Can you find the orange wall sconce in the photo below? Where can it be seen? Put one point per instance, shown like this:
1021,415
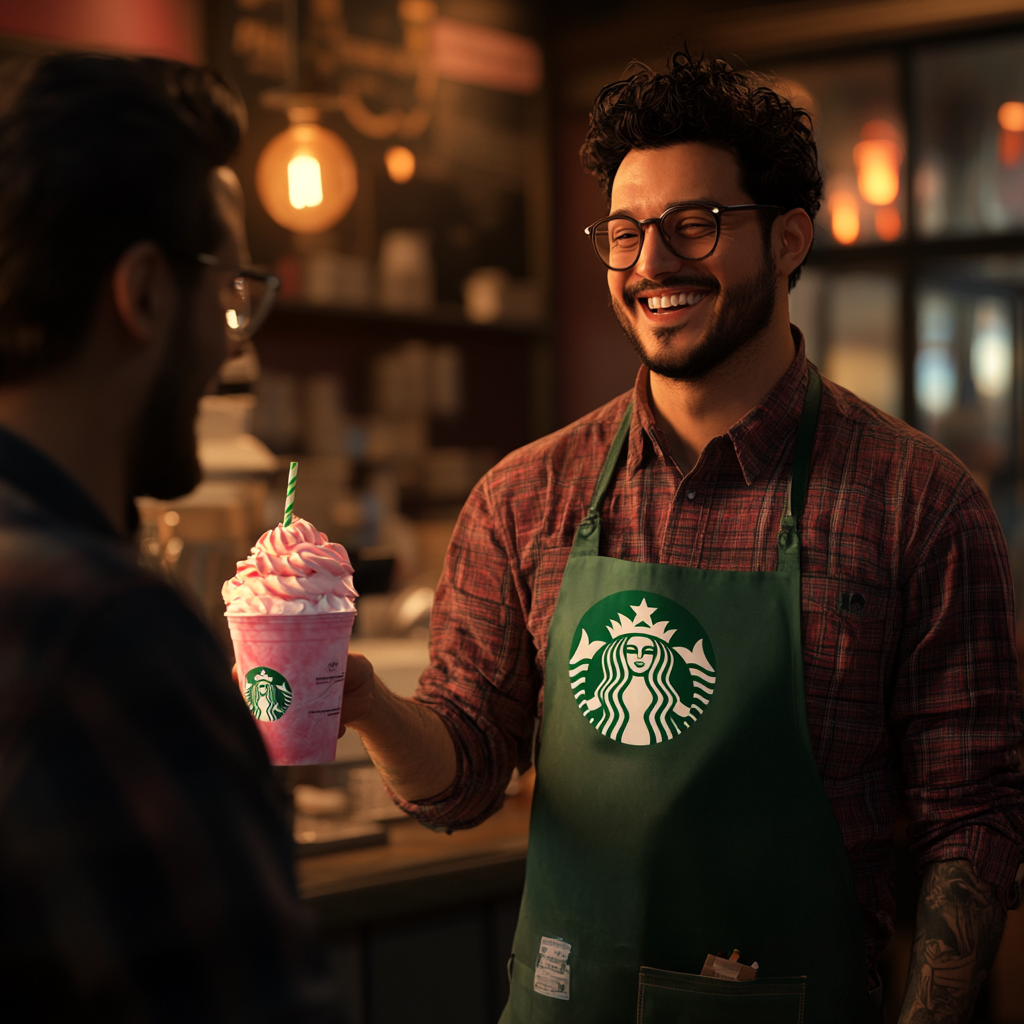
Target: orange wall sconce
844,214
1011,132
400,163
306,177
878,157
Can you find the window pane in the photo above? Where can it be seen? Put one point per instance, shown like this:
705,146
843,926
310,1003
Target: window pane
970,111
964,366
851,322
861,145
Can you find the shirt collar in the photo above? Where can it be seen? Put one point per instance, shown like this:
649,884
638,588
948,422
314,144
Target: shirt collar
757,439
28,470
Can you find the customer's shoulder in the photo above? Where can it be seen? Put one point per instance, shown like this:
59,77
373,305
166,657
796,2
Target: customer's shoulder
44,558
874,447
563,452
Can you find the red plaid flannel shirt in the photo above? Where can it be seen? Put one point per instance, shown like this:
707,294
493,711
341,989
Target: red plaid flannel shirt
909,655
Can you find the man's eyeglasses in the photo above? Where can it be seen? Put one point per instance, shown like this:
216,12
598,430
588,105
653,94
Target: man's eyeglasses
246,296
691,231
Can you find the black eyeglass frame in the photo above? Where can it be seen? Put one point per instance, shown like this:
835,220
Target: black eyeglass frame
271,281
713,208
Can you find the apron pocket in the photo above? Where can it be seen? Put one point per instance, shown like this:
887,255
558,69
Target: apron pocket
666,997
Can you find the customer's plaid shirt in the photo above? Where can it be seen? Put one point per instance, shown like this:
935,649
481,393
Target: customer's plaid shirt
145,867
909,655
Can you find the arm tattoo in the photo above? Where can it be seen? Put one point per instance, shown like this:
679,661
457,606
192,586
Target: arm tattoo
959,924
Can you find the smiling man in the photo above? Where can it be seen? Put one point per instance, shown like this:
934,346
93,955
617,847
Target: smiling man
755,614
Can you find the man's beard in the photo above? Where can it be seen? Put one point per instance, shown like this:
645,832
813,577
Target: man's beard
164,460
744,315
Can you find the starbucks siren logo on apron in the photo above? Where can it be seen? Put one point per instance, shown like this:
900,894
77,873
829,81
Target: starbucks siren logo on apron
267,693
642,668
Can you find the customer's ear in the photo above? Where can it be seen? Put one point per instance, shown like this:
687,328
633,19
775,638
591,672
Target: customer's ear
146,293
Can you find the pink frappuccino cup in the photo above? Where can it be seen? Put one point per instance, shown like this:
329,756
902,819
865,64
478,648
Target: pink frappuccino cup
291,671
290,609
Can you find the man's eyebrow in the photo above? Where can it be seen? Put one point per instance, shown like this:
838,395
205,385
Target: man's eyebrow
706,200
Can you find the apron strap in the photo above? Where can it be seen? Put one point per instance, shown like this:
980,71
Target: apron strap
588,534
800,475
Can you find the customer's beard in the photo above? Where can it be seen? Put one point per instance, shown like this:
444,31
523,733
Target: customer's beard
164,461
744,315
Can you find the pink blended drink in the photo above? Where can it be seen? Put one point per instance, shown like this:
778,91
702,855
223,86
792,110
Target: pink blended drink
290,609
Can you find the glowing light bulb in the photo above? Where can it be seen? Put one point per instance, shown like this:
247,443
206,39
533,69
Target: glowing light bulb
305,182
845,214
400,162
306,178
232,318
878,170
1011,116
878,157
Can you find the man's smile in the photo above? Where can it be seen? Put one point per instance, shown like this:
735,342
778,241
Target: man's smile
666,302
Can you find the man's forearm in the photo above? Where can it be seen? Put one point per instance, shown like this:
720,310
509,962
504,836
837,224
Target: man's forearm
409,744
959,924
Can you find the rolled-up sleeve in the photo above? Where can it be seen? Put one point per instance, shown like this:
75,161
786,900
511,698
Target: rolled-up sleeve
956,704
483,678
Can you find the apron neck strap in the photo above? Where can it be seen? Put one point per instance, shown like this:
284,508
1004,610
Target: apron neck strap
588,534
800,474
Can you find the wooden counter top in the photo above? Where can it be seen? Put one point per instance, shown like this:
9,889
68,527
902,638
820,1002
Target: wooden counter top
419,870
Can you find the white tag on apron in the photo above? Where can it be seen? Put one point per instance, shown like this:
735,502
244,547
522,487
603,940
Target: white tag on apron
551,975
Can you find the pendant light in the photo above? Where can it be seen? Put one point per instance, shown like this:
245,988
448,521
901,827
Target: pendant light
306,177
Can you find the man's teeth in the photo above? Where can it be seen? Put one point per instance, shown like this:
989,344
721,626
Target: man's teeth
679,299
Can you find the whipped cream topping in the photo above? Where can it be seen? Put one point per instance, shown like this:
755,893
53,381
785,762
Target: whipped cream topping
292,570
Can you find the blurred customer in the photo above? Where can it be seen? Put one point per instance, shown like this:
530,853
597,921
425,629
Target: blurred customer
756,613
145,865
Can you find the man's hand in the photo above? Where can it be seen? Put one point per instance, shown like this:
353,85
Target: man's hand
360,689
407,741
959,924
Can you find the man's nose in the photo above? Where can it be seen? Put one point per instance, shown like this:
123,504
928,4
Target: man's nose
655,256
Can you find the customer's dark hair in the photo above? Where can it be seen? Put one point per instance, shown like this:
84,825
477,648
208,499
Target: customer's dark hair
97,153
698,99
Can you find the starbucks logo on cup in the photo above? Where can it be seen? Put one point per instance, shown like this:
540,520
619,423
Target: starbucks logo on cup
267,693
642,668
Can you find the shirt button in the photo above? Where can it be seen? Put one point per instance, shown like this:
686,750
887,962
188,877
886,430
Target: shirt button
691,495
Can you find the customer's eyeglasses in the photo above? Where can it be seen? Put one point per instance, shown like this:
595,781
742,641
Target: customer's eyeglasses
246,296
691,231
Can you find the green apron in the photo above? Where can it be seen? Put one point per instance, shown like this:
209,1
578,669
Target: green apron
678,809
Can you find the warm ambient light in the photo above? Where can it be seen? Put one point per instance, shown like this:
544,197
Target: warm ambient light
878,157
306,177
844,211
1011,137
400,162
888,223
1011,116
305,182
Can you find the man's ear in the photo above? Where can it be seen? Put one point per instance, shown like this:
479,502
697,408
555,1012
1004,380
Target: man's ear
793,233
145,293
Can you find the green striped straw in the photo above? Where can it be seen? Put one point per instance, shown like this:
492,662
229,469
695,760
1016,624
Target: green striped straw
289,498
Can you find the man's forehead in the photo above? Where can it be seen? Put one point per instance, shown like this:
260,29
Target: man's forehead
683,172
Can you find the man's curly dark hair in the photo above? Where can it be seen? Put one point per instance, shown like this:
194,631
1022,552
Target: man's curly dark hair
700,99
